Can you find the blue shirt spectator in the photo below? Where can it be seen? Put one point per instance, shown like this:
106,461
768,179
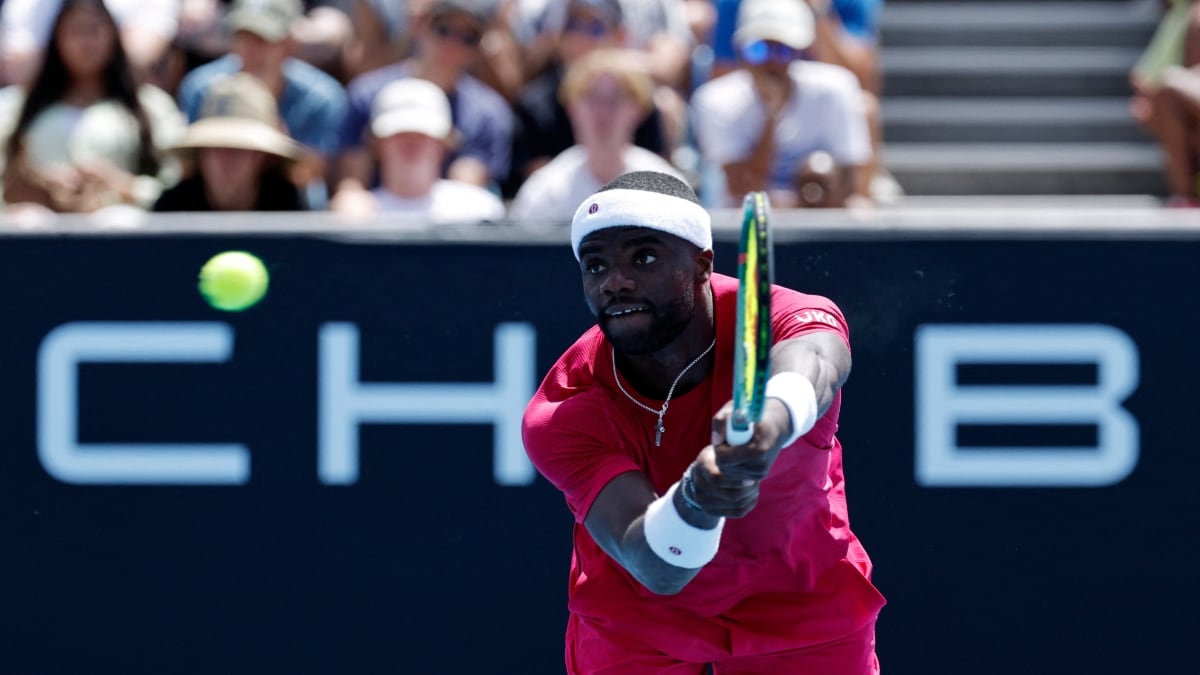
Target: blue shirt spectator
312,103
859,18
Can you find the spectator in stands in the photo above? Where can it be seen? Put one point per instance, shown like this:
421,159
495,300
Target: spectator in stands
82,135
202,33
311,102
758,124
146,28
543,129
660,28
607,93
381,36
412,132
238,152
447,44
846,34
504,60
702,20
323,35
1166,81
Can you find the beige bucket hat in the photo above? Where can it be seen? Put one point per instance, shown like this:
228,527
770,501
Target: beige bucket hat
239,112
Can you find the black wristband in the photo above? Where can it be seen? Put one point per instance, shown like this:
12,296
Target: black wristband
687,489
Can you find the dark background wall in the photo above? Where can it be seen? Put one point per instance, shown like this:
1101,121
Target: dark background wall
426,565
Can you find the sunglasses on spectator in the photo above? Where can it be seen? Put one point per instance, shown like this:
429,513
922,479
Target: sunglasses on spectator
593,28
761,51
468,38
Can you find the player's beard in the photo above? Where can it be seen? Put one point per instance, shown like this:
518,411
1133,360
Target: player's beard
667,323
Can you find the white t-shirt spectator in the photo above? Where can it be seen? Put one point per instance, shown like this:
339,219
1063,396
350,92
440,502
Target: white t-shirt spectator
449,201
553,192
825,112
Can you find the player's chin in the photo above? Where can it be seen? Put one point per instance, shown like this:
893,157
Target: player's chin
630,334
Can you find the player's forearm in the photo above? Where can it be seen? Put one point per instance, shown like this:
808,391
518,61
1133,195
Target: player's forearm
647,566
822,358
617,523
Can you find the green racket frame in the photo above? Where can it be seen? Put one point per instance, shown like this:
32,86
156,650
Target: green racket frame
752,346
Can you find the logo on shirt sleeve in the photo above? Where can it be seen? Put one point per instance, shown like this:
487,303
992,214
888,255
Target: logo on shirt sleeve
810,316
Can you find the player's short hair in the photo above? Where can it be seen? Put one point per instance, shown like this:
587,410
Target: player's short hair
653,181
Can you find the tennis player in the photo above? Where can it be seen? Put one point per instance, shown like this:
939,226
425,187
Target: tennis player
692,556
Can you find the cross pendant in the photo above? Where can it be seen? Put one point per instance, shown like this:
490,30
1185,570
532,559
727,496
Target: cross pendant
658,433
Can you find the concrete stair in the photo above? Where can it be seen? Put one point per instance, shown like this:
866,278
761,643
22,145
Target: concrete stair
997,97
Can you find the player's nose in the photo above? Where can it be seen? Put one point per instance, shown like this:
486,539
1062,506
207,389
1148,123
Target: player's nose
617,282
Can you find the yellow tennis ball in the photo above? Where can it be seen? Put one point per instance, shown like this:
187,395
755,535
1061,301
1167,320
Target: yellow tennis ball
233,280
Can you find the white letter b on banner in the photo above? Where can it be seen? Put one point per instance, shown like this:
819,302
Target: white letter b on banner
942,404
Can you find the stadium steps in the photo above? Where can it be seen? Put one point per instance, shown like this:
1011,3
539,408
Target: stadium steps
1025,168
997,98
1014,71
1009,119
1017,24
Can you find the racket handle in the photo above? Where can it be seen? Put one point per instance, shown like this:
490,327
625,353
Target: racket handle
735,436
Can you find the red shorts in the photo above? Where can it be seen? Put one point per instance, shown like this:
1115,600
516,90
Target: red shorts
830,629
592,650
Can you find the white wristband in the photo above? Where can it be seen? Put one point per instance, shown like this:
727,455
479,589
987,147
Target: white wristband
674,540
797,393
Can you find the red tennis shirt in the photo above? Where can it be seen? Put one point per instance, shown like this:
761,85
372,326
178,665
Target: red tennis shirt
779,580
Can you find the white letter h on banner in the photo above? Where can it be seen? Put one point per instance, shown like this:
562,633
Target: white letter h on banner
345,403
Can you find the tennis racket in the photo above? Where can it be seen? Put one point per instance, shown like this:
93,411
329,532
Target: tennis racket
752,344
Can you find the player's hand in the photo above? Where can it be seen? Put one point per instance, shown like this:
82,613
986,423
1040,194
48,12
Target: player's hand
719,494
753,459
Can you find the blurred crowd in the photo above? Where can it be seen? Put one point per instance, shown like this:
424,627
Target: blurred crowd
467,109
471,109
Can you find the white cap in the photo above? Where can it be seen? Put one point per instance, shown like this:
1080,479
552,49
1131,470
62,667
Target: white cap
786,21
411,105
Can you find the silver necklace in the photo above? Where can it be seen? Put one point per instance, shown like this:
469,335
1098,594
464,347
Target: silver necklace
658,430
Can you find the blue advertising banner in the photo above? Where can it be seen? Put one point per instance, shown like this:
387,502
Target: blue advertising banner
332,480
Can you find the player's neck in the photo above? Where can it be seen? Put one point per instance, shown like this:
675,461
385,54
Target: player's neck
657,376
653,374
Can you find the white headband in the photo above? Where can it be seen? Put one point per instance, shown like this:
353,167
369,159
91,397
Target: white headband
641,208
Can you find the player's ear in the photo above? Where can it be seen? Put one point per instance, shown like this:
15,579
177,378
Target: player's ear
704,264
